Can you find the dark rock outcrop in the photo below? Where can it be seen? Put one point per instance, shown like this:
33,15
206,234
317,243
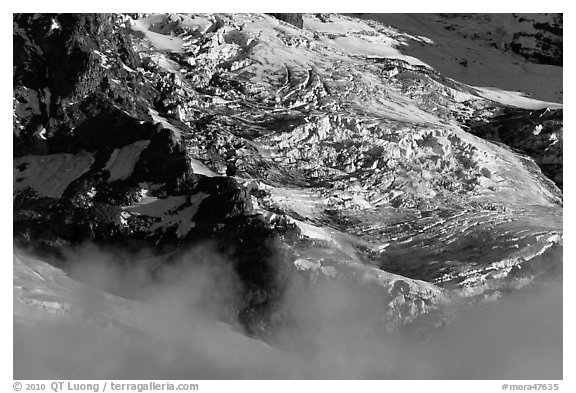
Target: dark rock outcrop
292,18
537,133
544,44
89,93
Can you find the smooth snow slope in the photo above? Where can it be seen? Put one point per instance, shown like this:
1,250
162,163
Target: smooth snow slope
487,67
50,175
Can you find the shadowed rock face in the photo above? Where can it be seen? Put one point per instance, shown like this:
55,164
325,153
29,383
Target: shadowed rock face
544,44
87,105
56,52
293,19
302,155
536,37
535,133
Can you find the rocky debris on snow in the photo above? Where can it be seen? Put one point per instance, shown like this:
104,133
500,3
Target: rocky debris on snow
537,37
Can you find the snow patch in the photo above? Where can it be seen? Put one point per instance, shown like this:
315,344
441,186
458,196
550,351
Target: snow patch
166,124
201,169
306,264
122,161
103,59
384,48
160,41
514,98
27,104
176,211
54,26
50,175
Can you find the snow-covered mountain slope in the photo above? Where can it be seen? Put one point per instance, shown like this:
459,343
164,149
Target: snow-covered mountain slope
332,155
494,52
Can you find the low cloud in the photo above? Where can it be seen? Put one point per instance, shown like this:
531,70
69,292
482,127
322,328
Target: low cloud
171,330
